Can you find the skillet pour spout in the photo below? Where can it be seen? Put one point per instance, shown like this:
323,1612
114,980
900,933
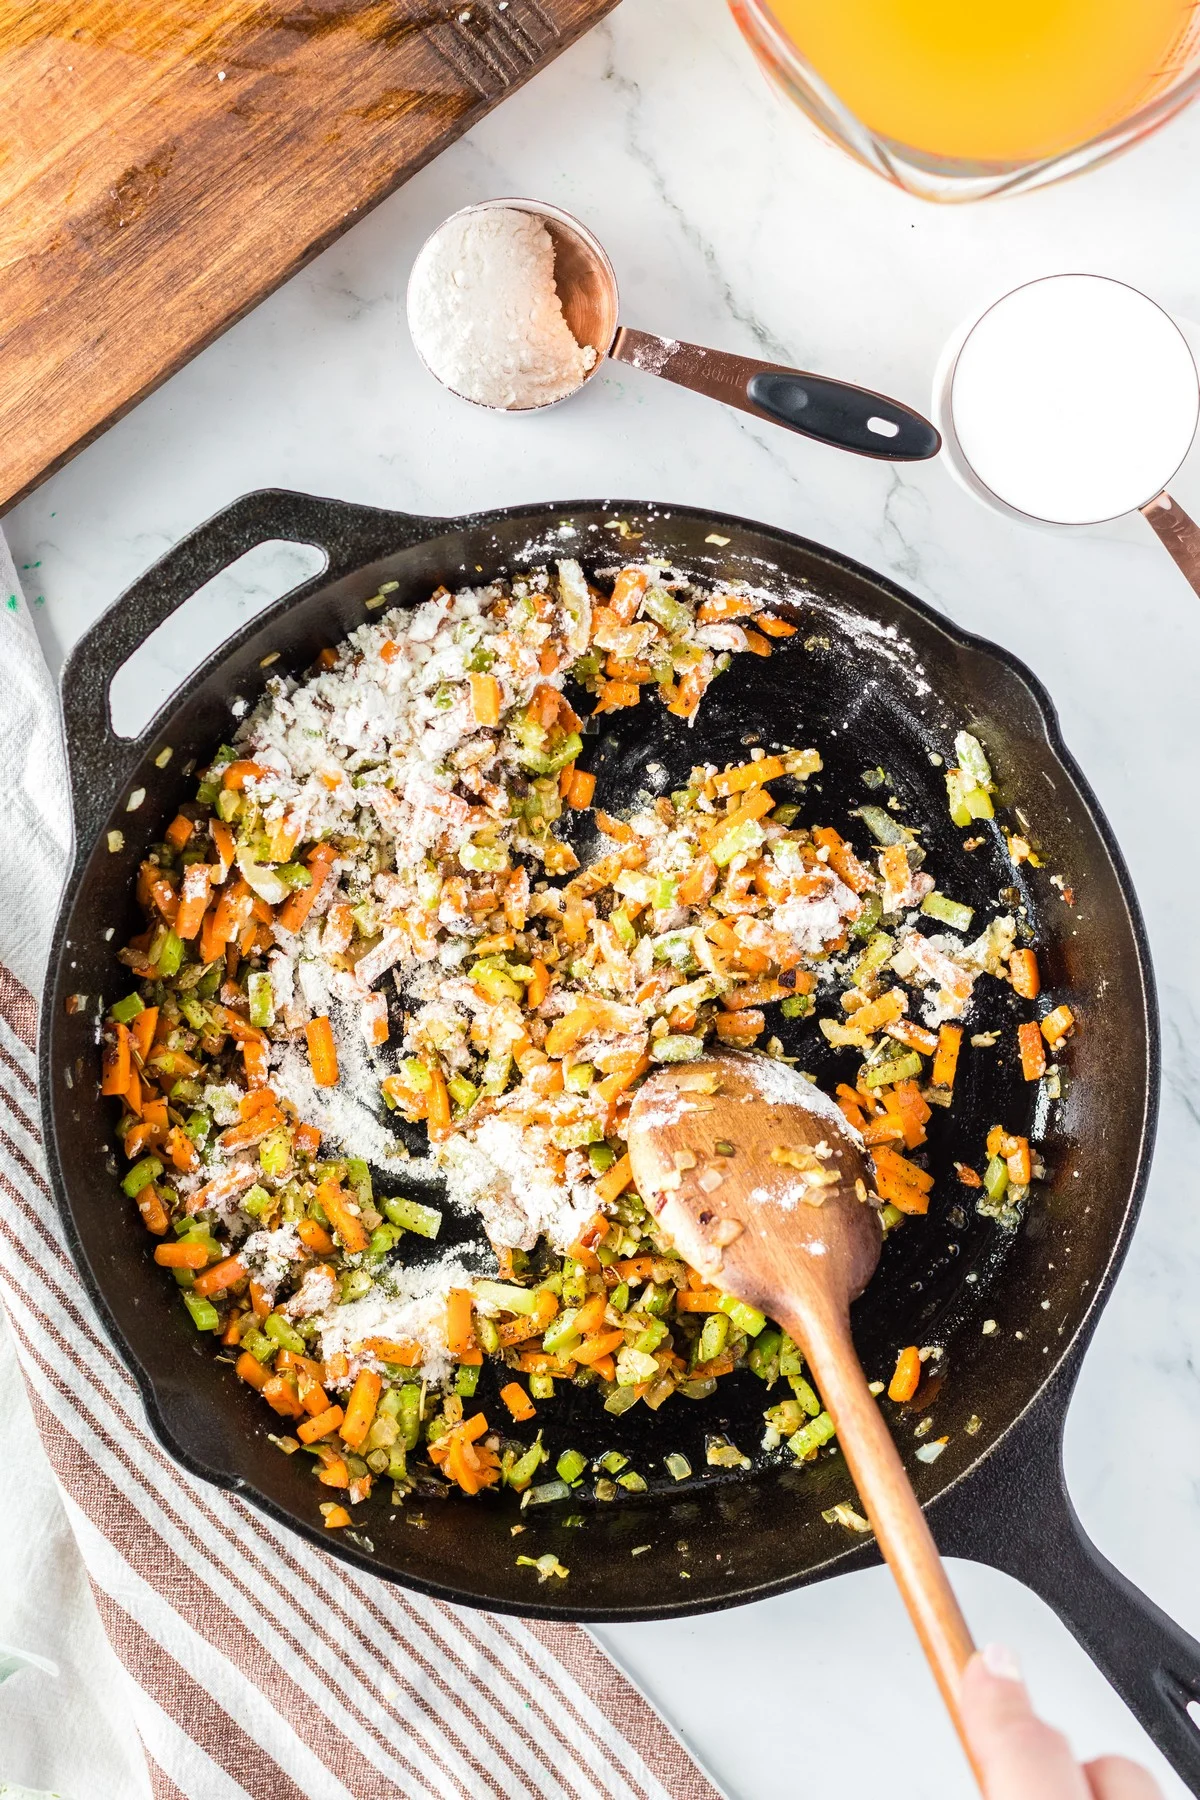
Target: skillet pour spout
872,678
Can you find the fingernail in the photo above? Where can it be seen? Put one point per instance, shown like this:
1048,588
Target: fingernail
999,1660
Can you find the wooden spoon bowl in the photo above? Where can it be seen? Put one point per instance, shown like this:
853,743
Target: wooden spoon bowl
760,1182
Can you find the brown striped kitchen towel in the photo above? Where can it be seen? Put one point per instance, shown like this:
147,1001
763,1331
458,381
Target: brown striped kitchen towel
250,1667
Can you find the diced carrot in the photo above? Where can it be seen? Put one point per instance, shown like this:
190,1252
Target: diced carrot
260,1301
757,993
181,1150
485,699
438,1114
968,1176
620,1079
757,802
142,1031
225,846
538,986
907,1377
194,900
842,859
336,1517
1033,1051
256,1058
619,668
306,1140
581,790
757,644
179,831
740,1027
154,1213
1019,1162
117,1062
320,1425
314,1237
181,1256
699,882
222,1275
635,1268
460,1334
165,899
590,1316
904,1102
518,1402
945,1061
747,775
889,1130
547,658
360,1408
322,1051
391,1350
294,911
1023,969
1057,1024
698,1300
252,1371
774,627
590,1352
614,1181
627,593
915,1036
347,1224
901,1181
879,1012
237,774
616,694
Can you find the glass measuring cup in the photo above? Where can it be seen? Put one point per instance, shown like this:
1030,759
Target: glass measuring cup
1072,401
958,102
831,412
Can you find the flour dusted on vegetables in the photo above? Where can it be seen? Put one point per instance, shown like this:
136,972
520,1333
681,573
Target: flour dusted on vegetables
370,927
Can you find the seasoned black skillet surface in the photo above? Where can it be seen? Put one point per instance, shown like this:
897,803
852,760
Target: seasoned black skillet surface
873,679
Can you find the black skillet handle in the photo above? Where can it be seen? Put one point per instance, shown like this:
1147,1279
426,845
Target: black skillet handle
1016,1515
349,536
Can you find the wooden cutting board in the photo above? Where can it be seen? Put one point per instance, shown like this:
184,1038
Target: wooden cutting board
165,163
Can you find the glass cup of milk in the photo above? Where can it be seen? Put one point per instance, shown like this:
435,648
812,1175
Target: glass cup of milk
1072,401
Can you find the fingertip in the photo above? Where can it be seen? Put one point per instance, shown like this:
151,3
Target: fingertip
1116,1778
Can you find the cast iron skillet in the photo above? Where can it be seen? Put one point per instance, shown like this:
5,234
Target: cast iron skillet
873,678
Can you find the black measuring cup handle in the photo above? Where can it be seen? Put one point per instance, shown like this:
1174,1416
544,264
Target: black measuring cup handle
1015,1514
348,535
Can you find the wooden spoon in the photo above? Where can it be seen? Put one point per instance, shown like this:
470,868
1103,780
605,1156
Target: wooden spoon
760,1183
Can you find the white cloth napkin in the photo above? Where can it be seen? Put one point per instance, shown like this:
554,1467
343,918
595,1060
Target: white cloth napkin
182,1621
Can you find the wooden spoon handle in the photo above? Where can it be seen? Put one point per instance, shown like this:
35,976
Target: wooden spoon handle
892,1507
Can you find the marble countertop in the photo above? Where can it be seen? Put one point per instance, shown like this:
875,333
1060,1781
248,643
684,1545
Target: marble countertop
730,222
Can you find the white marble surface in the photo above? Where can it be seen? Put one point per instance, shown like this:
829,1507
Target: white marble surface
729,221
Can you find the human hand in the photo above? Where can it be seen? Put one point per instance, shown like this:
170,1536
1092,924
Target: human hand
1023,1759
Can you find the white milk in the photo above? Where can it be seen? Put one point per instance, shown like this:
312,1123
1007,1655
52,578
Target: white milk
1074,399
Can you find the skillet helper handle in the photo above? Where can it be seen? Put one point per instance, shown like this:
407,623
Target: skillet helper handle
831,412
1179,535
1015,1514
349,536
895,1513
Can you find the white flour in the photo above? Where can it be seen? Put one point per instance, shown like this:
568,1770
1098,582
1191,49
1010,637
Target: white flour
485,314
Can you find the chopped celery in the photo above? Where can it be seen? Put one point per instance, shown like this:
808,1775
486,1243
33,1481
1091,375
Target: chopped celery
521,1471
678,1466
547,762
810,1437
198,1126
262,999
796,1006
634,1367
256,1201
275,1151
621,1398
205,1316
169,959
210,981
506,1297
466,1379
763,1351
382,1241
746,1318
358,1174
127,1009
488,1334
664,891
416,1075
570,1466
545,1495
601,1157
410,1215
805,1395
277,1327
408,1416
196,1014
541,1386
655,1299
713,1336
869,916
677,948
579,1077
632,1482
261,1347
972,760
879,949
623,926
677,1047
561,1337
464,1093
480,858
995,1178
881,825
671,614
618,1299
142,1173
612,1462
739,840
355,1285
295,875
894,1068
949,912
647,1341
786,814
